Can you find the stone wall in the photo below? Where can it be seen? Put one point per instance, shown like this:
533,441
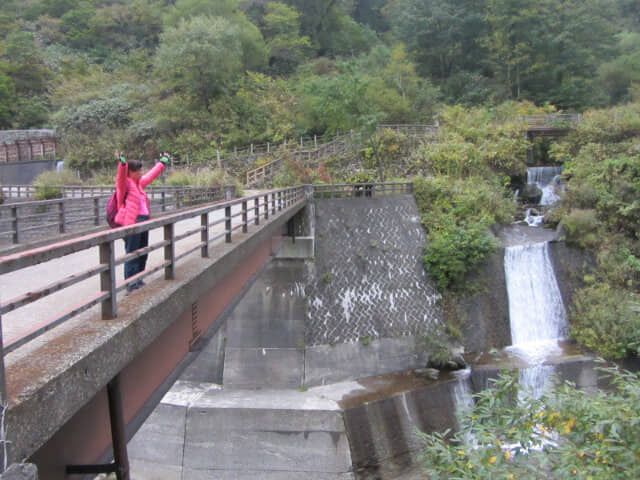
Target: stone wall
367,281
26,145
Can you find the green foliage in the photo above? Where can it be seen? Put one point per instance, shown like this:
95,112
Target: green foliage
203,177
564,434
604,320
47,183
454,250
200,57
582,228
601,212
456,214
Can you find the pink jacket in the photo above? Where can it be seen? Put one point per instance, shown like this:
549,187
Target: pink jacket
128,208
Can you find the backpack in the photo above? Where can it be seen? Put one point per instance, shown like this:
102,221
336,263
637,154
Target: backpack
112,210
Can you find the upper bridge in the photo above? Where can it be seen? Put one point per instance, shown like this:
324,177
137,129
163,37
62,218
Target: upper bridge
77,351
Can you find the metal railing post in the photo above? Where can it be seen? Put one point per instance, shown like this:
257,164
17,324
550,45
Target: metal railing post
3,384
163,201
204,235
227,223
273,203
279,201
169,251
244,217
256,210
96,210
15,224
118,435
108,280
266,206
61,216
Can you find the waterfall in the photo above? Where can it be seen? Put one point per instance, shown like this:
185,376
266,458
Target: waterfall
544,177
535,380
536,312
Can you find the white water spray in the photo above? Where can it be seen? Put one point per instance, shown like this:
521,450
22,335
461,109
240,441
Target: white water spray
545,178
536,312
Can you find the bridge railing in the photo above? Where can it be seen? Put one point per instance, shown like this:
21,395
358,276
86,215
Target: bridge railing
87,191
351,190
248,211
557,120
84,207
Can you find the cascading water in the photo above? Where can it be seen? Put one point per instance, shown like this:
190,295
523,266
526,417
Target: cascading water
545,178
536,312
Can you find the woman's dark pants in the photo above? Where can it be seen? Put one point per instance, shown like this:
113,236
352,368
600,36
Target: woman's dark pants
133,243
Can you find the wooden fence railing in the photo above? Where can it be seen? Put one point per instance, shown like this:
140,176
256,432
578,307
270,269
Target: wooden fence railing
84,207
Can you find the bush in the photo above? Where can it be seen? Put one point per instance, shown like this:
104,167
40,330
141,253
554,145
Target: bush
587,436
582,228
453,251
606,320
47,183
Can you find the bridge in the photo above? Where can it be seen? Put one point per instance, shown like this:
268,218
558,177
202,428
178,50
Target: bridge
82,360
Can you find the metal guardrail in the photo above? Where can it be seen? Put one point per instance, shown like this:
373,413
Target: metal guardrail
552,120
83,191
84,207
250,210
351,190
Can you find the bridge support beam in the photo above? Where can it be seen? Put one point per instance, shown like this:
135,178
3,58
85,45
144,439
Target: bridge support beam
120,464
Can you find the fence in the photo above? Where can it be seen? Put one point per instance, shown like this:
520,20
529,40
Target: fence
557,120
82,191
411,129
248,210
84,207
352,190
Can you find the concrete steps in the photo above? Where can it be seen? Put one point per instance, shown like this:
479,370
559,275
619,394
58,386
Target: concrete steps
201,431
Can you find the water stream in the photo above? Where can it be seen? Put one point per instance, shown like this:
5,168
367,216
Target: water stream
545,178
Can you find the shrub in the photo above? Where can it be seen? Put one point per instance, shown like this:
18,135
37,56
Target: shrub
454,250
606,320
588,436
47,183
582,228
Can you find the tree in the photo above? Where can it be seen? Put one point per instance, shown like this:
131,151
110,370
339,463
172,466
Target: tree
200,57
442,35
281,27
509,434
7,99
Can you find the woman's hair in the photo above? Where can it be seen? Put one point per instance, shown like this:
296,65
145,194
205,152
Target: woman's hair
134,165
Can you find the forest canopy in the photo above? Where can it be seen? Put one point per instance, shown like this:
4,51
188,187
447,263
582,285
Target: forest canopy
148,74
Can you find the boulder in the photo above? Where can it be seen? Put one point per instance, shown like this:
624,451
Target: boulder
530,194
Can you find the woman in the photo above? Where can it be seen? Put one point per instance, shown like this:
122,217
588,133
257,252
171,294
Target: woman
133,207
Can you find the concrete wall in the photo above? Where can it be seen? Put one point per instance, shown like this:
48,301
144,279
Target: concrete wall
367,281
23,173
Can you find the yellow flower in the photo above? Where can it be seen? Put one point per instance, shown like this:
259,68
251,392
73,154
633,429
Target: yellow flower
460,452
492,460
507,454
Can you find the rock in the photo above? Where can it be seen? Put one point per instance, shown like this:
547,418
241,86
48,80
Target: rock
22,471
430,373
530,193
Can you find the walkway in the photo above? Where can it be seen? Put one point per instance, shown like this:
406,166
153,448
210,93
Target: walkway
19,322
